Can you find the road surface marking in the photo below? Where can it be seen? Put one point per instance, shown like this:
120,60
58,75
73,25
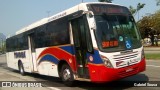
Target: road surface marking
53,88
152,66
152,60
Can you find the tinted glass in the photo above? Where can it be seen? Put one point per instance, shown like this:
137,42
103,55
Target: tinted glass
116,32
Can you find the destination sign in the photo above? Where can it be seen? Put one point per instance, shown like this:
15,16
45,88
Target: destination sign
108,9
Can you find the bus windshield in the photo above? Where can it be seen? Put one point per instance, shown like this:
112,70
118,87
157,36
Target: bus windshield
116,32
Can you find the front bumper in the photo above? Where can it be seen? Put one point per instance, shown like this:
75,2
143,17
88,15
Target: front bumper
100,73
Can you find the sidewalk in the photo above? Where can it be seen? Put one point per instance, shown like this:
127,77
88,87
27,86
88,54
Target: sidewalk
152,49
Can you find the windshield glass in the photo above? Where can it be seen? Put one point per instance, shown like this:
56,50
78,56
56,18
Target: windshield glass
116,33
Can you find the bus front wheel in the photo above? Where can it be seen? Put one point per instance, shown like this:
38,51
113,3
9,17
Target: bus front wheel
21,69
67,75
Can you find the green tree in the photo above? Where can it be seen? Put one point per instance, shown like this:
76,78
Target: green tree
132,10
150,26
136,10
156,22
158,2
110,1
140,6
145,26
2,46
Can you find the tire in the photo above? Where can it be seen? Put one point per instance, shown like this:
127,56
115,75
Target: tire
67,75
21,69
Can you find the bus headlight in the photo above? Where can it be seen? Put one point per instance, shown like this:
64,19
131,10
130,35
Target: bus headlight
106,61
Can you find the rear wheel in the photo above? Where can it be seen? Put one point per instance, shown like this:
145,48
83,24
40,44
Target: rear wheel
21,69
67,75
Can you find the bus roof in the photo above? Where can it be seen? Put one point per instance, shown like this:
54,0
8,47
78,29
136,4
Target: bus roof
78,7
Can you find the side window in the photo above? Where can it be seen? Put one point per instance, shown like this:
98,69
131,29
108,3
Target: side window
76,34
21,42
40,39
81,34
52,33
8,45
25,38
32,39
57,32
15,42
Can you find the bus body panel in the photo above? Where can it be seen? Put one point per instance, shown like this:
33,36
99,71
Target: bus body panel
49,58
23,56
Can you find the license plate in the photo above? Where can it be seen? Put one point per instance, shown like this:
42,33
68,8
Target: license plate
129,69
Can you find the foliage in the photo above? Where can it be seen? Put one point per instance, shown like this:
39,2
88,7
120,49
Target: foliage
158,2
145,26
156,22
150,26
105,1
134,11
140,6
2,46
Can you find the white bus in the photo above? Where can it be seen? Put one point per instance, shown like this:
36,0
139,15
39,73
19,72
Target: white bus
97,42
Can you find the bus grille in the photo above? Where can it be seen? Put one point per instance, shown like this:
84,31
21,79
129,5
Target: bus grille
126,56
126,59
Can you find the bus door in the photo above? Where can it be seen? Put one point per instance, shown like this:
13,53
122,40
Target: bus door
32,51
79,28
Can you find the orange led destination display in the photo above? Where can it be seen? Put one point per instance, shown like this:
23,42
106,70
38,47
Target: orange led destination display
107,44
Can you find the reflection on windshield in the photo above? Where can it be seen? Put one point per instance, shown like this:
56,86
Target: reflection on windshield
116,32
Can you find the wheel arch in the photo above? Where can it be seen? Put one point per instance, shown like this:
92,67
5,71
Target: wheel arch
19,62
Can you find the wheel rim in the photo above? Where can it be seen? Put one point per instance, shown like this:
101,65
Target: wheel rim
66,74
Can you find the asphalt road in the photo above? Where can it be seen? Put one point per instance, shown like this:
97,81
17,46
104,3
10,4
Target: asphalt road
152,73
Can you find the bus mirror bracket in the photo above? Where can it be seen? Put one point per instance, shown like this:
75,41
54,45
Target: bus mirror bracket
89,13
